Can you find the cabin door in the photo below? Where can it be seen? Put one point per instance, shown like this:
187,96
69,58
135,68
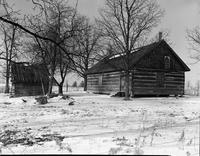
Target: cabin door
160,79
122,86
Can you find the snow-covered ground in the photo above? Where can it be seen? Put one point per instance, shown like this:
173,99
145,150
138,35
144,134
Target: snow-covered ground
100,124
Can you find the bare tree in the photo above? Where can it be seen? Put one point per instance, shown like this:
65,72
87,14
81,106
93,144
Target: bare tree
42,4
11,42
88,46
188,85
57,21
125,23
8,53
52,14
193,37
63,67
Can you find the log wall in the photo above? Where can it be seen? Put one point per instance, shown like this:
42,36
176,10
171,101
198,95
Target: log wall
142,83
155,83
20,89
104,83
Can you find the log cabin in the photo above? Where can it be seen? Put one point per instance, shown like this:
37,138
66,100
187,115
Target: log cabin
155,70
28,79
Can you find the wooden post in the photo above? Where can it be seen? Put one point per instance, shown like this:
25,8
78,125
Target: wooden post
43,91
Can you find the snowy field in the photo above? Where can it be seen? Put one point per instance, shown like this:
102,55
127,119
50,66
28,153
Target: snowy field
100,124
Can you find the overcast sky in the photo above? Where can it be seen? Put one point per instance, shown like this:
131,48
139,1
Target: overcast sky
179,16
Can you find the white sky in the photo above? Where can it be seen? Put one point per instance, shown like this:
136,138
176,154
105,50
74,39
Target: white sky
179,15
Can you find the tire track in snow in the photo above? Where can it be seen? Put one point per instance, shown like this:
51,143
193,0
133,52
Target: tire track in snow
131,131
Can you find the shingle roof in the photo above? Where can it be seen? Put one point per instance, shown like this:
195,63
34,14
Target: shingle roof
25,73
117,64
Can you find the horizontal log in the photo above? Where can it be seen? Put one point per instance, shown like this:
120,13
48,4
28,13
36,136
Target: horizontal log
175,82
104,78
111,79
154,88
171,75
92,76
144,85
105,74
145,73
98,86
158,93
93,79
104,90
110,90
104,84
144,81
174,79
174,87
93,82
144,78
176,73
111,83
113,73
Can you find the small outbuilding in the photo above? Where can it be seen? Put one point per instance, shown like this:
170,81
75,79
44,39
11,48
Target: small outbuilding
155,70
29,79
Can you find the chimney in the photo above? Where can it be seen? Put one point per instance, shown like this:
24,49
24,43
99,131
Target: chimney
160,36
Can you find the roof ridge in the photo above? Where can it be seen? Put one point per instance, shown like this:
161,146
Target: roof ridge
156,42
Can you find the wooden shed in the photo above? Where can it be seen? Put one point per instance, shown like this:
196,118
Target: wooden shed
28,79
155,70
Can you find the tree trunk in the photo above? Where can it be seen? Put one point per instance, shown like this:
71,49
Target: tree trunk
50,82
60,89
67,86
7,88
50,86
127,83
85,82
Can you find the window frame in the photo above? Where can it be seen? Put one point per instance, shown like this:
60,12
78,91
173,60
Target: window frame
167,62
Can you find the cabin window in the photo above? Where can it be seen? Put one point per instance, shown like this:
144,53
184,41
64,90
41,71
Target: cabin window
167,62
100,79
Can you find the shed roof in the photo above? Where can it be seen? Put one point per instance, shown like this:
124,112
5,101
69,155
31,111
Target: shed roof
23,72
112,64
